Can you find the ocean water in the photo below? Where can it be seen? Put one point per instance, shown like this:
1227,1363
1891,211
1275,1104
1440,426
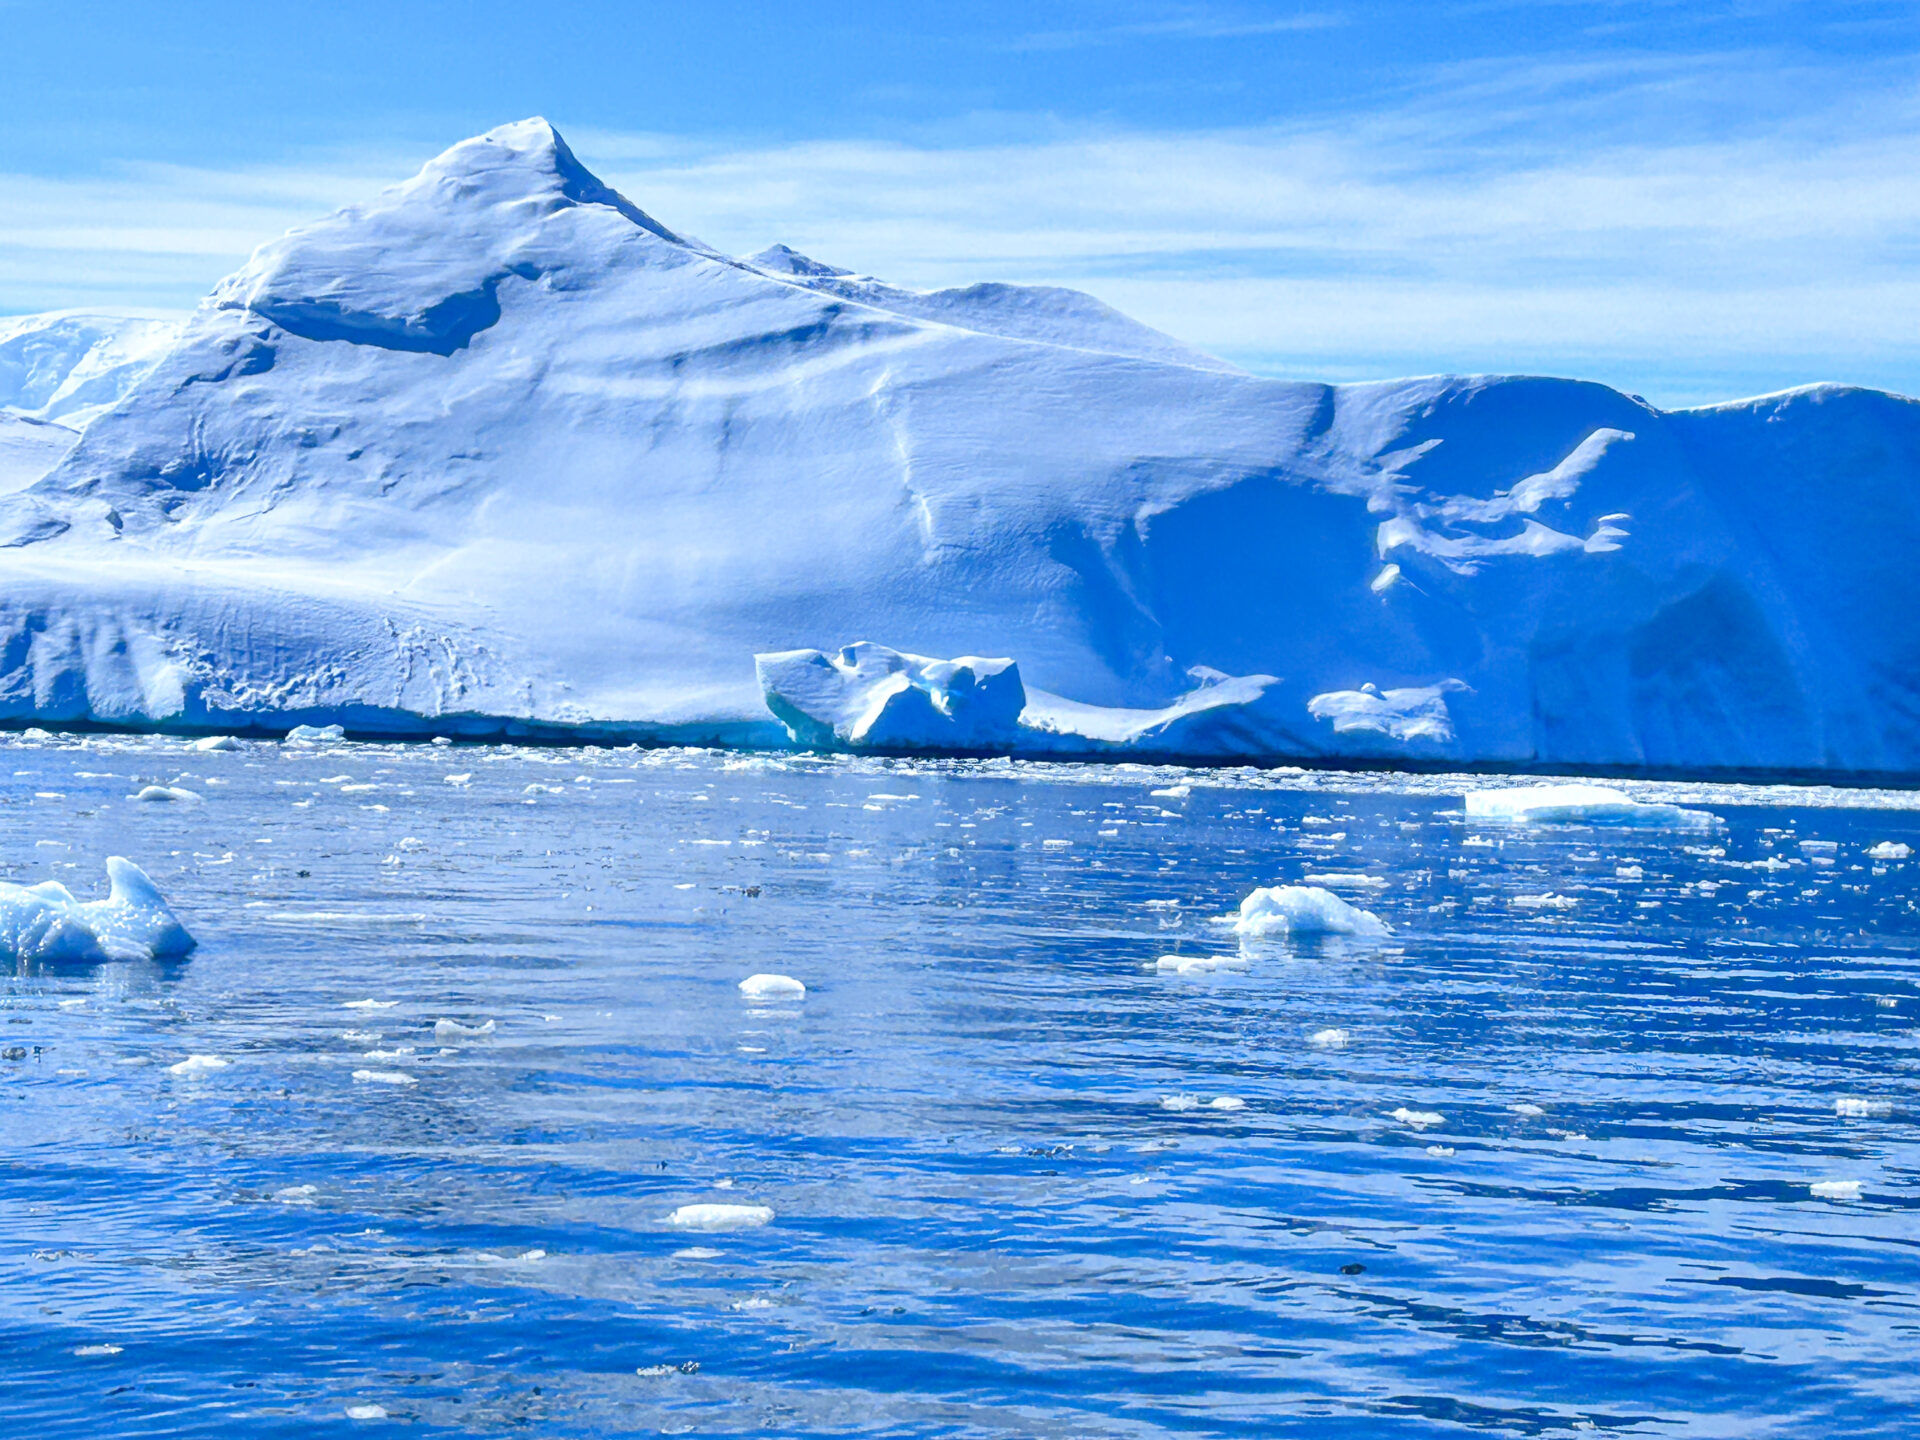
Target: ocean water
1558,1178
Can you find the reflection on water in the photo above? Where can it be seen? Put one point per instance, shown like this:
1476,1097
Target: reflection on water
1541,1162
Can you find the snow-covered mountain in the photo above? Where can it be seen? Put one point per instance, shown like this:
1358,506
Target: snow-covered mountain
71,365
497,451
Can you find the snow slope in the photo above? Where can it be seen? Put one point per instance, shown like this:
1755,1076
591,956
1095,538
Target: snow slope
497,451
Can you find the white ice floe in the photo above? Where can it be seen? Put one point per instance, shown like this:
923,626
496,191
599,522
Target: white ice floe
366,1412
1858,1109
150,794
384,1077
315,734
210,743
195,1065
1172,792
1836,1189
1580,805
45,923
1526,1109
454,1030
1180,1102
1196,964
1418,1119
1548,901
1226,1102
772,987
1345,880
709,1216
1890,850
1440,1151
1301,910
1333,1038
368,1004
296,1194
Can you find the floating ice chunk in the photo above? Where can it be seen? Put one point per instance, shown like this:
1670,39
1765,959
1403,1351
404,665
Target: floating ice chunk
772,987
719,1217
1548,901
1441,1151
1329,1039
867,696
1418,1119
454,1030
45,923
384,1077
1346,880
199,1065
1580,805
162,793
1226,1102
210,743
1525,1108
1629,872
365,1412
1302,910
90,1352
1172,792
1180,1102
1857,1109
1828,848
1195,964
34,732
315,735
1890,850
296,1194
697,1252
1836,1189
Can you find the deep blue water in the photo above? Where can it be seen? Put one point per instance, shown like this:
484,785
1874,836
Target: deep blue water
987,1219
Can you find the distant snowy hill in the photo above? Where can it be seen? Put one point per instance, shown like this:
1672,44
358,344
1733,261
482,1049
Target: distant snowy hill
70,365
497,452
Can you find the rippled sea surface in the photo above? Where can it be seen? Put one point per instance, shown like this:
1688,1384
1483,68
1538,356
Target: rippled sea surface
1004,1199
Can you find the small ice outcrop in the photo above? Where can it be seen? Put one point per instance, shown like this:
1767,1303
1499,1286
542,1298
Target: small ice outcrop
1836,1189
163,794
1418,1119
366,1412
1333,1038
1580,805
45,923
1890,850
1195,964
772,987
870,697
1854,1108
720,1217
1526,1109
384,1077
195,1065
209,743
454,1030
1301,910
315,734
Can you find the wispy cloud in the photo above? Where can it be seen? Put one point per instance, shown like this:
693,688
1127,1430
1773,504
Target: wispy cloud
1186,22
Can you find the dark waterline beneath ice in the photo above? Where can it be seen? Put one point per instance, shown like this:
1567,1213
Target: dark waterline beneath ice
987,1219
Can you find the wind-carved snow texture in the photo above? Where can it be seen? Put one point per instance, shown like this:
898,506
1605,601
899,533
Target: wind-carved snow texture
498,453
44,924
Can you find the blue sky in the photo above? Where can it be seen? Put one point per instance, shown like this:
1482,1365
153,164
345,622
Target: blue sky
1692,201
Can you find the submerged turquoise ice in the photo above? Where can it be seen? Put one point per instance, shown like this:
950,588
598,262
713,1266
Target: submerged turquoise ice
1558,1177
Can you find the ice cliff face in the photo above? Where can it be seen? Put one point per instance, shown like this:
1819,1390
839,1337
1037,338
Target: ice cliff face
498,450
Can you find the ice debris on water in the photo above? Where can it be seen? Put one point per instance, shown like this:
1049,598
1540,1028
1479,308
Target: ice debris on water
206,744
1526,1109
366,1412
1333,1038
1441,1152
384,1077
45,923
709,1216
1195,964
150,794
1857,1109
1890,850
199,1065
315,734
1418,1119
1836,1189
454,1030
772,987
1301,910
1580,805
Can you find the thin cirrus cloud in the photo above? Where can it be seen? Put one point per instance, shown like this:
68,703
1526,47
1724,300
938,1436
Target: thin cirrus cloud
1431,238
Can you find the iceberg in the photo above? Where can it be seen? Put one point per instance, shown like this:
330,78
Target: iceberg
499,454
1581,805
44,924
1302,910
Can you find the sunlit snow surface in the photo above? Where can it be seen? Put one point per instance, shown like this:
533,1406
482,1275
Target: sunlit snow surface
1542,1161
